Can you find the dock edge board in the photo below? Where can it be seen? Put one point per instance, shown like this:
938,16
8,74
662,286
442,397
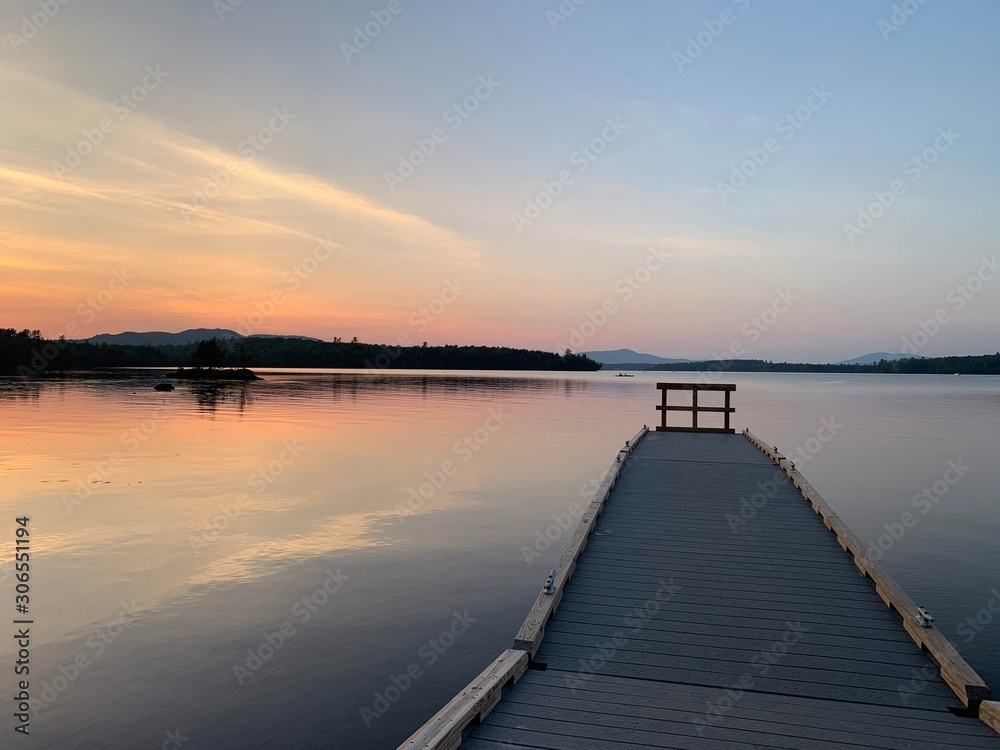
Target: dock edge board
956,672
529,637
447,728
989,712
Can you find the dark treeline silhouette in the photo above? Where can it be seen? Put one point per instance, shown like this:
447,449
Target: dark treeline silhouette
27,353
988,364
743,365
16,346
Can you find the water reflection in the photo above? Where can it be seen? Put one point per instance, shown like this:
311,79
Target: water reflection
210,394
28,389
217,507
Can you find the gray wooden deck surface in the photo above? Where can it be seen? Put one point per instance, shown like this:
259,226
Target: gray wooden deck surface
675,631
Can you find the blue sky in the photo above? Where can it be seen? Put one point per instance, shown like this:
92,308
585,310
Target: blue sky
557,84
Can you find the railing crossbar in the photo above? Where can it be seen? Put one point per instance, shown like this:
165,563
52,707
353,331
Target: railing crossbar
696,408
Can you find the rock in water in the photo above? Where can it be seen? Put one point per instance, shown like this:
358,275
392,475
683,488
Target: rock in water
163,387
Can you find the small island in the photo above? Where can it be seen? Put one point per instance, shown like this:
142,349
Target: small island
208,363
222,373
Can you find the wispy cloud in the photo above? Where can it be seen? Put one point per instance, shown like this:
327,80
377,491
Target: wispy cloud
130,202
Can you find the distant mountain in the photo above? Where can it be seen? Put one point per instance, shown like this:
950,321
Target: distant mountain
159,338
628,356
874,359
190,336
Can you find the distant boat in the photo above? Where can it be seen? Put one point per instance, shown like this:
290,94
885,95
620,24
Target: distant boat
624,375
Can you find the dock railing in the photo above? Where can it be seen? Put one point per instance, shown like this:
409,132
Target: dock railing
695,408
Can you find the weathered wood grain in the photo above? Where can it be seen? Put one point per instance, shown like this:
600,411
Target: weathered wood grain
989,712
445,730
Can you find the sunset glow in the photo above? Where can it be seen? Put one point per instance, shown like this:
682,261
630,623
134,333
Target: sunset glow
329,190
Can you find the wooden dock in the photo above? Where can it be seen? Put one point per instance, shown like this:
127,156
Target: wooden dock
710,598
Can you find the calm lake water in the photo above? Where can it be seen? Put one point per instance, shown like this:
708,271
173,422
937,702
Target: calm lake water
173,533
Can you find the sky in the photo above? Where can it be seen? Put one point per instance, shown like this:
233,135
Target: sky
789,180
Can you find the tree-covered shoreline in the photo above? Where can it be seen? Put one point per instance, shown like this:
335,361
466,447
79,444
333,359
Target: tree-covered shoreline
986,364
28,353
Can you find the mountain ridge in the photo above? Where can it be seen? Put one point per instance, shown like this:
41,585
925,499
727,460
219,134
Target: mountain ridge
629,356
875,357
187,336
